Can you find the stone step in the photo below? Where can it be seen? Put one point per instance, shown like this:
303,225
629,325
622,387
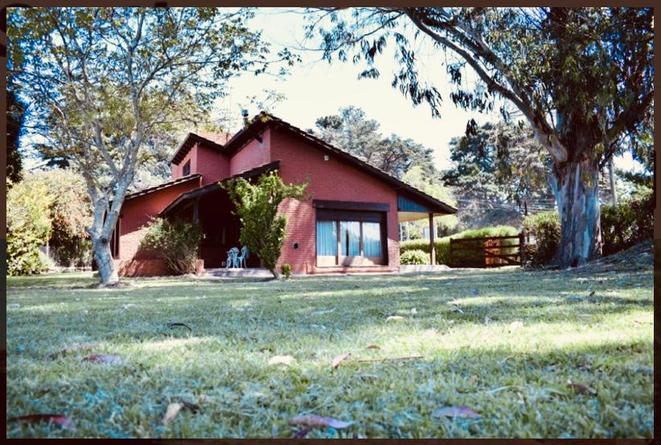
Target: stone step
236,272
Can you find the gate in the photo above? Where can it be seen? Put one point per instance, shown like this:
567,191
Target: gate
491,251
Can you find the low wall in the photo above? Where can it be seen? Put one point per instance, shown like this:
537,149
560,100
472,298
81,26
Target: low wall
148,268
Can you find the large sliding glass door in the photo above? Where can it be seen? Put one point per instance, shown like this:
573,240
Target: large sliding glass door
350,238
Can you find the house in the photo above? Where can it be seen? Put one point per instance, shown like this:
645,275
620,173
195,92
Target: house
347,222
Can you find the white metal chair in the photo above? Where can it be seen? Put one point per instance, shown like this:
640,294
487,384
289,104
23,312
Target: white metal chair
241,258
232,260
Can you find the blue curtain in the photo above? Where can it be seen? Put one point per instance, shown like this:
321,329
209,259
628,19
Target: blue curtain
350,237
326,238
372,239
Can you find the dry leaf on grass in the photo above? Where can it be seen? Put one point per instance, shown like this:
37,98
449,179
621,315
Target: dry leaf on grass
457,309
57,419
339,359
394,317
580,388
455,411
180,325
171,412
104,359
312,420
300,434
373,347
282,360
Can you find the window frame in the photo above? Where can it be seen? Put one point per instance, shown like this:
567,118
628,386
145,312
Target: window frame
185,167
360,260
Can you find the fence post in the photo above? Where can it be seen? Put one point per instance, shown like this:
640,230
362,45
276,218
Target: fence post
450,254
522,247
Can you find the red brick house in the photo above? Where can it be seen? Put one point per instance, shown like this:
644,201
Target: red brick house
348,222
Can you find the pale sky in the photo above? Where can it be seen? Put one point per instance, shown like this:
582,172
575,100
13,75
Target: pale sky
316,88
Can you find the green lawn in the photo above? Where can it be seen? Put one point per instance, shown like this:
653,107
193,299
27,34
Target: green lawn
504,343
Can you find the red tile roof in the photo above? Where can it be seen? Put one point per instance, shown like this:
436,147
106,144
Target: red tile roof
162,186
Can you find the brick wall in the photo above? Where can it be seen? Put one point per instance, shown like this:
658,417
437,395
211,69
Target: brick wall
252,155
137,212
208,162
330,179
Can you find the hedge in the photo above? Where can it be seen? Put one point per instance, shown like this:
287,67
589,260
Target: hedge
628,223
544,227
460,260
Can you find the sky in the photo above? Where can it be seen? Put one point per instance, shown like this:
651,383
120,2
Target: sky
316,88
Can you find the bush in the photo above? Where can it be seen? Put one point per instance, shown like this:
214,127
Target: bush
627,223
176,242
414,257
262,228
467,259
28,228
285,269
545,228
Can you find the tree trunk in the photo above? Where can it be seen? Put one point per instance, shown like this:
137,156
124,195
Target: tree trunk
576,189
103,257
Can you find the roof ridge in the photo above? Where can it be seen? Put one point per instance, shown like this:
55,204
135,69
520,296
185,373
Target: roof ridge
319,140
161,185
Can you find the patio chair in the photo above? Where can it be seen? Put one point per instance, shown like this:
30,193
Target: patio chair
232,255
243,256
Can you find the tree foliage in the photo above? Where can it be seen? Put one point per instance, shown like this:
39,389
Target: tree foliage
28,227
499,163
71,215
498,170
15,118
105,83
262,229
582,78
353,132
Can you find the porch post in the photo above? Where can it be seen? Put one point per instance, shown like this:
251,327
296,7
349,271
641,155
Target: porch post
432,249
196,211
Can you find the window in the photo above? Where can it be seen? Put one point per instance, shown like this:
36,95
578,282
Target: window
186,169
372,239
327,238
350,238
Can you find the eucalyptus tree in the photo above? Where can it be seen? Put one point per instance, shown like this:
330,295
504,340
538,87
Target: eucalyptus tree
582,77
104,83
352,131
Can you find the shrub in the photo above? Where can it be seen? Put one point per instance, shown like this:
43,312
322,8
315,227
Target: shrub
463,259
176,242
285,269
414,257
262,229
627,223
545,228
28,228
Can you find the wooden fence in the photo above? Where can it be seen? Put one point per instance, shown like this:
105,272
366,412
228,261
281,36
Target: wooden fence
491,251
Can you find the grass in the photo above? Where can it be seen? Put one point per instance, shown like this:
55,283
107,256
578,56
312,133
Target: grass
501,342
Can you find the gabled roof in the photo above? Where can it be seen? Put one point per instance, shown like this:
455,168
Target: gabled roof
192,139
265,120
163,186
187,196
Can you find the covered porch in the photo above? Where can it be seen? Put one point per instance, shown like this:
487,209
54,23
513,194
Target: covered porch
411,209
211,207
